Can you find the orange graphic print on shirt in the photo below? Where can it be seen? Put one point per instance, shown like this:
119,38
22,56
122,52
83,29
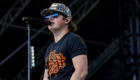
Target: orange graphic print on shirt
55,63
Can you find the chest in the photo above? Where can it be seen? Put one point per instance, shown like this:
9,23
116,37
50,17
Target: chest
60,48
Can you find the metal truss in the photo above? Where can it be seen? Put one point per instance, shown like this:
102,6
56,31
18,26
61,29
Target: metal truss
12,14
41,31
128,43
38,31
25,28
95,42
21,46
113,48
129,18
103,58
22,75
77,16
84,9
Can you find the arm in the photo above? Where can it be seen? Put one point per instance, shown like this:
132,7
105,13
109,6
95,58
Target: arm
45,75
81,67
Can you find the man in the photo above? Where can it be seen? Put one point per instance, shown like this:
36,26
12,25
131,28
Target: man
66,57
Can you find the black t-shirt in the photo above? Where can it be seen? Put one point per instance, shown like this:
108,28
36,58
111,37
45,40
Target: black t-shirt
58,58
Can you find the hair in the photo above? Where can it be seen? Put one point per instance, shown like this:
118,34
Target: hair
71,25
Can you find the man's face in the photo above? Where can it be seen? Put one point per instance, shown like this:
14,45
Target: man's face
57,23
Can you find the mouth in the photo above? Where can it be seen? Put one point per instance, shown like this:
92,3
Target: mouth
52,23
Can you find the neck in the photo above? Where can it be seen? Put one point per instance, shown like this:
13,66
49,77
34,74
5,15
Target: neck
59,34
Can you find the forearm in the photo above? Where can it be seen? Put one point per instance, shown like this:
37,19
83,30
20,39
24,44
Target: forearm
79,75
45,77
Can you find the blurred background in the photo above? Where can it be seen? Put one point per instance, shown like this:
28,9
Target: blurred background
110,28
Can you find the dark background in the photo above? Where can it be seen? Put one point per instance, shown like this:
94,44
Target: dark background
108,21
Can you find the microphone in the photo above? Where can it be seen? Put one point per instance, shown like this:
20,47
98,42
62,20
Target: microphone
36,21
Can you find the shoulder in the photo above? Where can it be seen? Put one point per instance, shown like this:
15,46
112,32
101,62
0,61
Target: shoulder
75,39
76,45
73,36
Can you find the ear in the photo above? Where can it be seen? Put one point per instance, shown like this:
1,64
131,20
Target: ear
67,20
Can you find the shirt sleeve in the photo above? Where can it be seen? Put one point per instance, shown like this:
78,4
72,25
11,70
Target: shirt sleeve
77,47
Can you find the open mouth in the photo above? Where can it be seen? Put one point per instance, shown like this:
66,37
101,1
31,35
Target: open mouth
52,23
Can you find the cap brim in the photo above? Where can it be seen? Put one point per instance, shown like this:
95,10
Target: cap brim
45,11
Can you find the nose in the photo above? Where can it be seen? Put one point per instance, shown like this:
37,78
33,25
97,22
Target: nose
50,17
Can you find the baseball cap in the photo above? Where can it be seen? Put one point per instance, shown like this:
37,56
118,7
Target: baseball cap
57,7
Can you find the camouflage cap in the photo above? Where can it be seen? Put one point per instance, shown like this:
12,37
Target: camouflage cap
57,7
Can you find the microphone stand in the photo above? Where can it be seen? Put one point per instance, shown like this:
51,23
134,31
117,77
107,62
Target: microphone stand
31,61
29,50
31,57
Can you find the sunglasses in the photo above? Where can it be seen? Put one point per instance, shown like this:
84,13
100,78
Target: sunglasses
54,15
